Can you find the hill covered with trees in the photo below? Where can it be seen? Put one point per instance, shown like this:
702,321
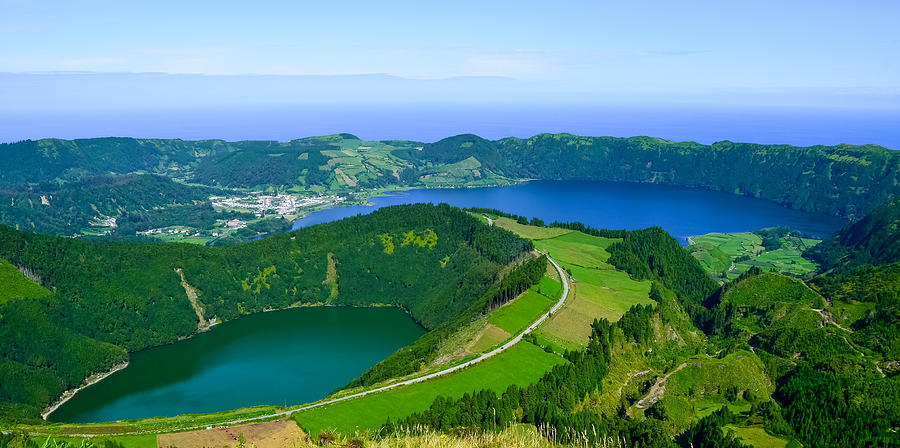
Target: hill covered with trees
839,180
62,186
107,299
872,240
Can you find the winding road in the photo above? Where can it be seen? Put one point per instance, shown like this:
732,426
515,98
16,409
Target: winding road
490,354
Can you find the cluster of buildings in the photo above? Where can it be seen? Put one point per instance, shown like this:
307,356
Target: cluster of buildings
277,204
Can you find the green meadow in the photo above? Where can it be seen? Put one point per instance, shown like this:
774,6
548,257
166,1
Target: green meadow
757,437
527,231
600,291
522,364
579,249
518,314
16,286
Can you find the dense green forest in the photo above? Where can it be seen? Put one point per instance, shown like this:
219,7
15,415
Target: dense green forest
78,178
437,262
69,208
872,240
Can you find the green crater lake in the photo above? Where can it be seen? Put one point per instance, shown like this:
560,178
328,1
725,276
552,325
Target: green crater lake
289,357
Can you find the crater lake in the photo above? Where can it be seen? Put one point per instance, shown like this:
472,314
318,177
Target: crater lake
681,211
290,357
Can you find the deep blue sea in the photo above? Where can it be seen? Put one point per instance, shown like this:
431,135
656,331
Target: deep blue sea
430,122
682,212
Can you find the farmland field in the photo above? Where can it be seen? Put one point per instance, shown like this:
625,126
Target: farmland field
728,255
530,232
576,248
522,364
515,316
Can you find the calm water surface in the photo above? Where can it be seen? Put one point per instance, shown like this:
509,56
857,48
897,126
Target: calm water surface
683,212
283,357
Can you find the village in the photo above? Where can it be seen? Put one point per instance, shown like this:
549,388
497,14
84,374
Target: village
262,205
284,205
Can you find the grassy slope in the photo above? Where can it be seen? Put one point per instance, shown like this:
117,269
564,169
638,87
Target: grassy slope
489,337
757,437
530,232
696,390
522,364
600,291
779,299
515,316
14,285
578,249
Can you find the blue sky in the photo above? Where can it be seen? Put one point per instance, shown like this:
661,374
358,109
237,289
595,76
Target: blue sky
825,48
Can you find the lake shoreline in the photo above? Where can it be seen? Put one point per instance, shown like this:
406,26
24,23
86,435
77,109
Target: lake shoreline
89,381
208,367
100,376
682,211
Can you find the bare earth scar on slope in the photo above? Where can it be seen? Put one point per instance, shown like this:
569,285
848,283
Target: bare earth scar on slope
192,297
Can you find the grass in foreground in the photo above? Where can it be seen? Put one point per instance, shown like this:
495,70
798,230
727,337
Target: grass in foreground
516,436
522,364
142,441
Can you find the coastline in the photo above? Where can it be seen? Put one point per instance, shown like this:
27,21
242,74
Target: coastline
89,381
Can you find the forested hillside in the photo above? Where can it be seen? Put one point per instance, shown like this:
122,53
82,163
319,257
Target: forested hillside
872,240
841,180
67,209
437,262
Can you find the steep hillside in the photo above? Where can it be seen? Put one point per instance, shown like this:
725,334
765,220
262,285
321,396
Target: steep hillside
840,180
67,209
435,261
872,240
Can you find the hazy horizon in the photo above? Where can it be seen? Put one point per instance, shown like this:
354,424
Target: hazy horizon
434,121
767,72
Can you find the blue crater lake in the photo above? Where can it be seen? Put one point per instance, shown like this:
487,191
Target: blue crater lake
282,357
682,212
